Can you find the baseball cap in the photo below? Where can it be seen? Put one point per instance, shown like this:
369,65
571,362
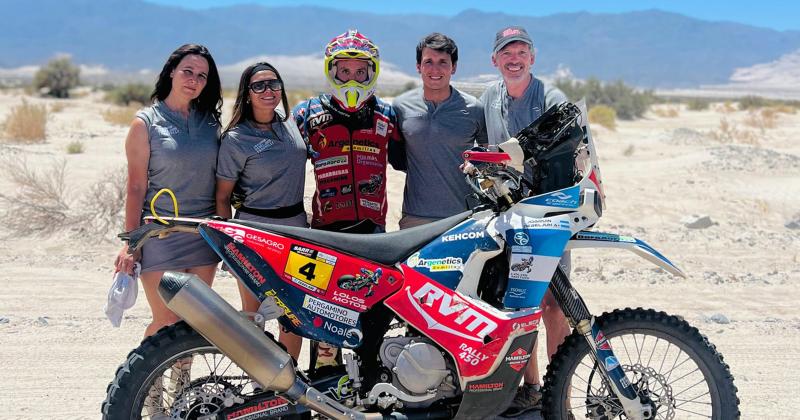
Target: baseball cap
510,34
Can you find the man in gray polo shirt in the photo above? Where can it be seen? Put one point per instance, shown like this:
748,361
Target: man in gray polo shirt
438,123
510,105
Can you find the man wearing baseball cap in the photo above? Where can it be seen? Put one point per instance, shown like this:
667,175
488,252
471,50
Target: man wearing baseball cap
510,105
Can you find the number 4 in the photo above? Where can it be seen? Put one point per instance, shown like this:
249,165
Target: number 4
308,271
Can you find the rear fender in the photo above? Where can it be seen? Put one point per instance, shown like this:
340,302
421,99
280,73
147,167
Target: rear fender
588,239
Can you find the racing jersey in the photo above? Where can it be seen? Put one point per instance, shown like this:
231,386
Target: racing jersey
350,160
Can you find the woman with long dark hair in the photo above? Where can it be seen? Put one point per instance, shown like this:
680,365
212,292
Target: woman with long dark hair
173,144
262,162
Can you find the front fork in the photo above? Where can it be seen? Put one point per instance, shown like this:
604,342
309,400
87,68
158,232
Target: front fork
579,318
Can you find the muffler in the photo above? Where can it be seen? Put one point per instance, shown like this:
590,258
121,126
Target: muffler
245,344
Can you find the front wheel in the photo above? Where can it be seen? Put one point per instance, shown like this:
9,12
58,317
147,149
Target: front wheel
176,374
669,361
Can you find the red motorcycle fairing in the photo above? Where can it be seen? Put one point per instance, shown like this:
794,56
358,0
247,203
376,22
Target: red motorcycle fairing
315,269
476,335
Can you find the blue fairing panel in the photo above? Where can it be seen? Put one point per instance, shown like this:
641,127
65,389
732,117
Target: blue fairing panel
588,239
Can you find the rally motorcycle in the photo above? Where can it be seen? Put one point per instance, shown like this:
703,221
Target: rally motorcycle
366,278
448,328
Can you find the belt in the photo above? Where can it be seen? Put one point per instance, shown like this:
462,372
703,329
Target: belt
278,213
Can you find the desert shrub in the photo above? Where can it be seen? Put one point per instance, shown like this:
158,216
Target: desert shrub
603,115
57,77
138,93
295,96
751,102
726,107
628,102
75,147
667,111
698,104
628,152
40,200
120,115
729,133
762,119
26,123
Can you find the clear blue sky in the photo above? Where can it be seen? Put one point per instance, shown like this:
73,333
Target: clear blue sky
775,14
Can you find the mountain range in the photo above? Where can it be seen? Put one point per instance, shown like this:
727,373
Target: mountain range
650,48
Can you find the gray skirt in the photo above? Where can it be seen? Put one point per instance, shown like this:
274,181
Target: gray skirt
178,251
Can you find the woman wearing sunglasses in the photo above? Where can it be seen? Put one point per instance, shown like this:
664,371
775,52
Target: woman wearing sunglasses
261,163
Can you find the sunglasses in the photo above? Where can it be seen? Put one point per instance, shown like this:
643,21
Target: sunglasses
262,85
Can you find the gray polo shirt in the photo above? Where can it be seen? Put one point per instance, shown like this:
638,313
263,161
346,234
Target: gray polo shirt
435,136
268,167
506,116
183,158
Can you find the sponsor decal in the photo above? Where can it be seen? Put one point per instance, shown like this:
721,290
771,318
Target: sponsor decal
525,325
239,235
336,205
452,309
333,180
521,249
436,264
347,189
546,224
611,363
470,355
245,264
517,292
261,409
330,311
560,199
372,205
342,389
286,311
522,267
369,160
263,145
169,130
327,192
360,148
331,161
381,127
309,268
521,238
518,359
349,300
601,342
318,120
463,235
487,387
337,172
352,336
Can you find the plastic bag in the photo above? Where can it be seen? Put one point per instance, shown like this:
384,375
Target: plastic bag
122,295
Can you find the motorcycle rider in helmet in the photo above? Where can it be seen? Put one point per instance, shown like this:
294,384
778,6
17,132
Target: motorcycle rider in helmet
351,132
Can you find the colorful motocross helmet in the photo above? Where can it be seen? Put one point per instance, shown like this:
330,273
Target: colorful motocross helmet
352,45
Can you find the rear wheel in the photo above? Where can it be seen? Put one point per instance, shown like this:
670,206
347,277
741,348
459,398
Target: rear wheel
669,361
176,374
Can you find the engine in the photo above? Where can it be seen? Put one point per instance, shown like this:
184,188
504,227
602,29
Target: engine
416,373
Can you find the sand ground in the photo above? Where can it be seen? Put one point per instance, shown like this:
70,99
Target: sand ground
58,352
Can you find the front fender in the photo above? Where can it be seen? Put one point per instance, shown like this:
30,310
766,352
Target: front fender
588,239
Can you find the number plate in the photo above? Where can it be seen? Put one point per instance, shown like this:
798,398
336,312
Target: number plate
310,268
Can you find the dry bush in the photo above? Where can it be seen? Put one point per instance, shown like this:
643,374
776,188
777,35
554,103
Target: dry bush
603,115
667,111
75,147
295,96
785,109
762,119
39,203
26,123
120,115
725,108
698,104
729,133
103,205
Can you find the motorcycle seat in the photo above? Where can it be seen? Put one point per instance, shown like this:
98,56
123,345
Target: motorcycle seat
383,248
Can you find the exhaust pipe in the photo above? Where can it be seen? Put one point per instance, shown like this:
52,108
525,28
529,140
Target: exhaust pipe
245,344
